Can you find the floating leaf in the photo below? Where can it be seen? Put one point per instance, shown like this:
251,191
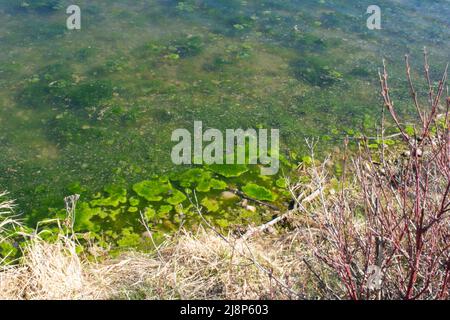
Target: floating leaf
204,186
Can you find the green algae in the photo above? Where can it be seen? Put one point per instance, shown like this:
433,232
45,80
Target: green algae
258,192
82,110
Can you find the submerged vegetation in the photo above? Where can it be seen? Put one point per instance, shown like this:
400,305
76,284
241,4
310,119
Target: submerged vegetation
85,145
377,230
97,107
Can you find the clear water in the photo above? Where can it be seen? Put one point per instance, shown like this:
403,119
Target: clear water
98,105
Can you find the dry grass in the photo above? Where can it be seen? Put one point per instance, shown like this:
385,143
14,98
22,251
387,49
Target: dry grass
6,210
199,265
207,266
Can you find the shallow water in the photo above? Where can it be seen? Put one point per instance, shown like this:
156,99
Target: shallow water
98,105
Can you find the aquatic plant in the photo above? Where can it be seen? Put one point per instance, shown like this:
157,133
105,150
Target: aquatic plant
228,171
258,192
89,93
37,5
314,71
151,190
116,195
